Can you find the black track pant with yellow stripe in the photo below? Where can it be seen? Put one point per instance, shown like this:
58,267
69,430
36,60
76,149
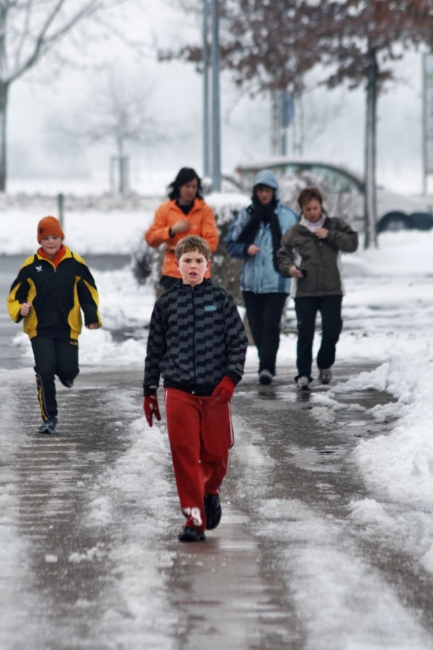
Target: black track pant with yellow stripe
53,356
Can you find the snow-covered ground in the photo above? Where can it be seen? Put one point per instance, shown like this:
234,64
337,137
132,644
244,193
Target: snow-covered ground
388,315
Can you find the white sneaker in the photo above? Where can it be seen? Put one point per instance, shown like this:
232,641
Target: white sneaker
325,375
303,383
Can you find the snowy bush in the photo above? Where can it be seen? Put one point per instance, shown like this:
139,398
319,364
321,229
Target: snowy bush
146,263
225,270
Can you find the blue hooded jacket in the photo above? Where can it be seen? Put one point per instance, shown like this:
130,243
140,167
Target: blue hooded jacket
258,272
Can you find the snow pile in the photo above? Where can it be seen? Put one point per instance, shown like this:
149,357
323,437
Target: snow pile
404,255
396,301
123,302
400,466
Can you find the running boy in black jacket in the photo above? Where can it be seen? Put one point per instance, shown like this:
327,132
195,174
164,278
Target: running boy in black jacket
197,342
51,289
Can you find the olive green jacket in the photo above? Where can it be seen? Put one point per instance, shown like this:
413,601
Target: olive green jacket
318,257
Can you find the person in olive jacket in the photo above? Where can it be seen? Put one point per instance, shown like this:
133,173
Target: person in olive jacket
309,253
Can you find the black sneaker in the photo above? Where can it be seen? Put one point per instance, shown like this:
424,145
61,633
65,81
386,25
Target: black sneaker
265,378
67,382
48,426
212,508
190,534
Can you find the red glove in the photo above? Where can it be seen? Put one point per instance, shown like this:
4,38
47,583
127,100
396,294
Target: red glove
224,391
151,408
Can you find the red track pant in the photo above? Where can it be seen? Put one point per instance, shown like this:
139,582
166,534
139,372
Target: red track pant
200,433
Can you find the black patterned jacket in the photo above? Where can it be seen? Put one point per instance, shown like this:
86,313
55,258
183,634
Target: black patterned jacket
196,337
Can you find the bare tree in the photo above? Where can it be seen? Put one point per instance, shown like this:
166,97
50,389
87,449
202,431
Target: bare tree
29,30
122,117
277,41
361,41
271,43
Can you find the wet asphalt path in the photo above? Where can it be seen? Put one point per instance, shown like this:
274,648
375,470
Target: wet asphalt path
64,592
227,593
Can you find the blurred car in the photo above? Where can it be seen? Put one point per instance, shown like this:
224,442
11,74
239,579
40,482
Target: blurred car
343,193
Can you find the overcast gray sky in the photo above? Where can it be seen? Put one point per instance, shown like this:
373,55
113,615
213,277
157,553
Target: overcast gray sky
41,106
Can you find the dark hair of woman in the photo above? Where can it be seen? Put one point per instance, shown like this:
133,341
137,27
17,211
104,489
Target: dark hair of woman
184,176
308,194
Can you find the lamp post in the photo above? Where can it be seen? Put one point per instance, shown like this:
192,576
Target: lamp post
216,120
206,107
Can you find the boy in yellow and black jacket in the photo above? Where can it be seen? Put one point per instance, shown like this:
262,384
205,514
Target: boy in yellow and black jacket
51,289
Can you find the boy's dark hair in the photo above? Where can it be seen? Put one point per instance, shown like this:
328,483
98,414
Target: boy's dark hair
192,243
308,194
184,176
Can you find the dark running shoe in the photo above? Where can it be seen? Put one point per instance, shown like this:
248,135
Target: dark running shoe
67,382
212,508
48,426
265,378
190,534
325,375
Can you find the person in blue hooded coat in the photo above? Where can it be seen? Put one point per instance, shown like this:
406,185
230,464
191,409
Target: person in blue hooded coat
255,236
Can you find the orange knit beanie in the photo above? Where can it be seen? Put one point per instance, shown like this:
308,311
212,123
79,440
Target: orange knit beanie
49,226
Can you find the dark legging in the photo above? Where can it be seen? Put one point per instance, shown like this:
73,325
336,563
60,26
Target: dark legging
53,356
306,310
264,311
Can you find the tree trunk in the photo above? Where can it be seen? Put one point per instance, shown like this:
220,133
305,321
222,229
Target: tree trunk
4,90
275,123
370,212
278,130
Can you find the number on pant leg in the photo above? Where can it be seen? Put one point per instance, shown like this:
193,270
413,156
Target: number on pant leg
195,514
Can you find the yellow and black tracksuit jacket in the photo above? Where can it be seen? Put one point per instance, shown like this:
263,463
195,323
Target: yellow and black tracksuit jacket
57,294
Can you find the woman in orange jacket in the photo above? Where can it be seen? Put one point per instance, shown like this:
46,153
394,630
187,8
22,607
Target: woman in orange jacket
185,213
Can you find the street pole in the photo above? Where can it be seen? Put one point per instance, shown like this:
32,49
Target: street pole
60,209
424,122
206,120
370,240
216,124
274,122
283,125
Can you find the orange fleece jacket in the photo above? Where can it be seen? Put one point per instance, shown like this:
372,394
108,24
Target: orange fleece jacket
202,222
